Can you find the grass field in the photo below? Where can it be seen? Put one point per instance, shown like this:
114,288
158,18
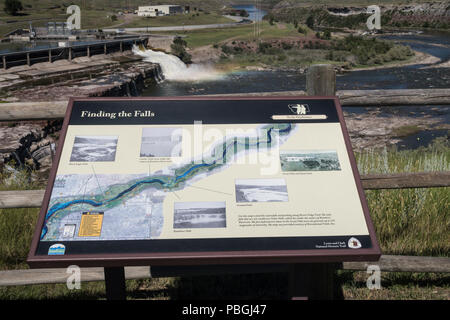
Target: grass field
198,38
407,222
177,20
97,14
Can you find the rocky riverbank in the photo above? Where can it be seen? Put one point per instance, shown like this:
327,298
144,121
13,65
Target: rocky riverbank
373,130
113,75
33,143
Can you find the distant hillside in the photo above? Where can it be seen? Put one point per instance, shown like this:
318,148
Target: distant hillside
94,13
116,4
352,14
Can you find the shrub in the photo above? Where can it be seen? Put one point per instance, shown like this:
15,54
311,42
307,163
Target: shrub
12,7
310,22
178,48
286,45
231,50
267,48
301,30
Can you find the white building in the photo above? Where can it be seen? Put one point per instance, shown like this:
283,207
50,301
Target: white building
156,11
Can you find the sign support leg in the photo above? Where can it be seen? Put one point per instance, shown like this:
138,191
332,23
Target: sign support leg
115,283
311,281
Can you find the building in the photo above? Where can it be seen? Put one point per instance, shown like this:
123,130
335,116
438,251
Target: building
156,11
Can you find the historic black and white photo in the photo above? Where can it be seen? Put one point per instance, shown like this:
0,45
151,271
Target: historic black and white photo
94,148
199,215
161,142
261,190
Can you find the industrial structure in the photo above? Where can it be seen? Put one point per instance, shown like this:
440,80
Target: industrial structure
162,10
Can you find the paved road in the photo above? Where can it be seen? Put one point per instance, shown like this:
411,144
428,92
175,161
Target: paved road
182,28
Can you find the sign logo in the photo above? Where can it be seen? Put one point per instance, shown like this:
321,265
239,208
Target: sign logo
354,243
299,108
57,249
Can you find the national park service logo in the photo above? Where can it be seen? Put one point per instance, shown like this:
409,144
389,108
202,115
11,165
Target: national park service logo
299,109
354,243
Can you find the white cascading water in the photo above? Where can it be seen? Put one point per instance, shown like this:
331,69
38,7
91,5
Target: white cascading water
175,69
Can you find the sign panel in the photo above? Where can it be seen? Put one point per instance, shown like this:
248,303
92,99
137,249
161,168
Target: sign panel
203,180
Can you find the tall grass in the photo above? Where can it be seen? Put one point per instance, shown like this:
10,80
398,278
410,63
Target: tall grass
435,157
407,222
410,221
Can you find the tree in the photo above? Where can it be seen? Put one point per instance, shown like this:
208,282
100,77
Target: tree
310,22
178,48
12,7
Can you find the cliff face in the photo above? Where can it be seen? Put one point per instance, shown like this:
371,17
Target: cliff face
427,15
435,14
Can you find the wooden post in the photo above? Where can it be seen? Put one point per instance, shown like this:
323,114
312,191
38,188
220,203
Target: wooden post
70,53
28,59
121,46
104,47
115,283
88,51
50,55
4,62
311,281
321,80
315,281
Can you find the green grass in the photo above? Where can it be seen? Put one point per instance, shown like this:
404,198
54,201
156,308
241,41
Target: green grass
396,286
94,14
410,221
90,19
405,131
306,50
198,38
407,222
178,20
294,58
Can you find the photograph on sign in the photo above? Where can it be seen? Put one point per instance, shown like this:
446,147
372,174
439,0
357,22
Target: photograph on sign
160,142
94,148
261,190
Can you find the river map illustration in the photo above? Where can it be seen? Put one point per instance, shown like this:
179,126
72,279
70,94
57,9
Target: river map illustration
130,206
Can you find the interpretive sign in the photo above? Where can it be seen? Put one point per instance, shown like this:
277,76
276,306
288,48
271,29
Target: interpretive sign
203,180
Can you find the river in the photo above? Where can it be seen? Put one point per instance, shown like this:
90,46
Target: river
416,76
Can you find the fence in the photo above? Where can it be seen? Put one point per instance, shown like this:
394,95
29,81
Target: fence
320,81
70,52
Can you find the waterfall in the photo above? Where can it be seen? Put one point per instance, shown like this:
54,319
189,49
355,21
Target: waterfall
175,69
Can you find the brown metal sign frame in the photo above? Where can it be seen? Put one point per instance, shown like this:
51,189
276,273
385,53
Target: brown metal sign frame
204,257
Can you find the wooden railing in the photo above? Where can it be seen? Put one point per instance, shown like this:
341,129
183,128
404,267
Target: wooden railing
33,198
17,111
317,76
387,263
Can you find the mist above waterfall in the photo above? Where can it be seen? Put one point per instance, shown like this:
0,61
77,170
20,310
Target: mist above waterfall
176,70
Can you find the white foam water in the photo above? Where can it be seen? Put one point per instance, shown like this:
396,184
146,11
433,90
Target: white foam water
176,70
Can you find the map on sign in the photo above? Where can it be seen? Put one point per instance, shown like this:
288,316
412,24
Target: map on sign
133,203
